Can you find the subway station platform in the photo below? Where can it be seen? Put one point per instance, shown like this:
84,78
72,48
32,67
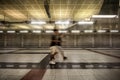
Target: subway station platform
82,64
88,31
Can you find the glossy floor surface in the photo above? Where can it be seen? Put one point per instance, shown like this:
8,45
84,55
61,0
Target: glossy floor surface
82,64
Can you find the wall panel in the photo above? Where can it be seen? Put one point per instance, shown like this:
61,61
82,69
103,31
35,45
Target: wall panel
85,40
116,40
13,40
82,40
45,40
102,40
30,40
2,39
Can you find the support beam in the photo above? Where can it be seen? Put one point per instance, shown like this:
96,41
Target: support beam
47,7
119,16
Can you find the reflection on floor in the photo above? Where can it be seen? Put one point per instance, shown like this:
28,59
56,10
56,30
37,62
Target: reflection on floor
82,74
60,65
81,65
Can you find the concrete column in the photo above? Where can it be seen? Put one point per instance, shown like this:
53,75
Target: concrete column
111,40
93,40
75,41
39,41
5,40
93,36
22,41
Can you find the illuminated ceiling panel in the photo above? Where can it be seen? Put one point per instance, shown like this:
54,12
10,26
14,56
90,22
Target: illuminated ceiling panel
15,14
87,9
22,10
36,26
37,12
75,10
22,26
49,26
62,9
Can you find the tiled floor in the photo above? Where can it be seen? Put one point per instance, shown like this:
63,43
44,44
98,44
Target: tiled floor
80,65
82,74
12,74
111,52
88,56
78,57
6,51
34,51
22,57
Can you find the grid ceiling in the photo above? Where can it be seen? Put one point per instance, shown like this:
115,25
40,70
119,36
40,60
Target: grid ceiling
22,10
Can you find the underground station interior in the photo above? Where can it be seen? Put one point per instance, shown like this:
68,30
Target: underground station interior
59,39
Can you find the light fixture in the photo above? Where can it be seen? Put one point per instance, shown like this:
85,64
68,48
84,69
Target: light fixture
114,31
49,31
10,31
75,31
23,31
104,16
62,31
85,22
38,22
62,22
36,31
1,31
101,31
88,31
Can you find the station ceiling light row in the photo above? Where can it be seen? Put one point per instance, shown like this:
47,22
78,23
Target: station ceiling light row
79,22
61,31
61,21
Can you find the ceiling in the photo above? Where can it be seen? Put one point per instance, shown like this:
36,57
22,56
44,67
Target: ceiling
28,10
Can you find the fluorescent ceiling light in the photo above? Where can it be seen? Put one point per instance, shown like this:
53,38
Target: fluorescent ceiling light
38,22
49,31
10,31
62,22
114,31
85,22
1,31
88,31
24,31
75,31
101,31
104,16
36,31
62,31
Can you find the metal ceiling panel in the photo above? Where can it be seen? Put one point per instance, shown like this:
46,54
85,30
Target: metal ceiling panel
22,10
